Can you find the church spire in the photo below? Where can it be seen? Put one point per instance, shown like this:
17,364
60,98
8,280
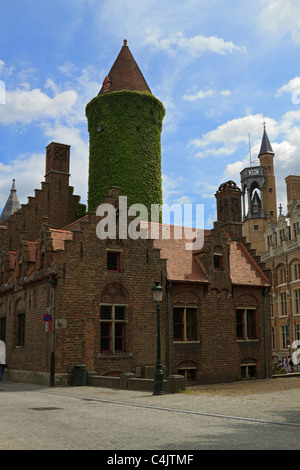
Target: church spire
265,143
12,204
124,74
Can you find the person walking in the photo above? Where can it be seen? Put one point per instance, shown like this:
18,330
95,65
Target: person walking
2,359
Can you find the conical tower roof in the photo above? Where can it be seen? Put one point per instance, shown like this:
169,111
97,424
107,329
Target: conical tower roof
12,204
265,144
124,74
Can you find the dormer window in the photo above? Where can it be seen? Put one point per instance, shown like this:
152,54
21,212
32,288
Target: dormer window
218,261
106,84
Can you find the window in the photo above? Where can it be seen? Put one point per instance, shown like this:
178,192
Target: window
284,335
297,301
283,306
2,328
270,190
271,213
281,278
245,324
20,329
189,374
185,324
256,227
218,262
297,332
271,305
269,240
297,271
295,229
113,261
248,371
281,235
112,329
273,337
255,208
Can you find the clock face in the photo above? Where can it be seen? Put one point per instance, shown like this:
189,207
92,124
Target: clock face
253,172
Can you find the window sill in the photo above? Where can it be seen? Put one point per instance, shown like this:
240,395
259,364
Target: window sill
256,340
114,272
113,356
187,342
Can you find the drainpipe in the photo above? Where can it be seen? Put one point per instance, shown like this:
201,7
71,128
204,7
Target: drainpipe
53,282
265,293
168,289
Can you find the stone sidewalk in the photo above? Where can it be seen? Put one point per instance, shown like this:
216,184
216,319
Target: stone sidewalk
91,418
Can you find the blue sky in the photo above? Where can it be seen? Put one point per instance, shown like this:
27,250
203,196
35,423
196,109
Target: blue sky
220,68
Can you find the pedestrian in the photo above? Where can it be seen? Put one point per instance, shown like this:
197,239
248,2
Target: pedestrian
2,359
289,369
284,363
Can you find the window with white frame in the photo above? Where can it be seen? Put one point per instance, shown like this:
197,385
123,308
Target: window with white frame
296,301
112,329
271,306
284,335
296,271
297,332
273,337
282,304
245,323
281,279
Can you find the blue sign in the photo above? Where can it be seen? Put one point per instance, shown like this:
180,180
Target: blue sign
47,317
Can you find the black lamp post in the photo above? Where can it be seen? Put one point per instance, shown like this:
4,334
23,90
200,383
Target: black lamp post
158,375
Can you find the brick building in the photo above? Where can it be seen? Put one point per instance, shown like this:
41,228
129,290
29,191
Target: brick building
282,258
215,318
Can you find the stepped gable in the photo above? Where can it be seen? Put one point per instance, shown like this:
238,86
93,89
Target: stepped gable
125,74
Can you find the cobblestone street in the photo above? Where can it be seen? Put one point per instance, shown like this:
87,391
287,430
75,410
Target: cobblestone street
89,418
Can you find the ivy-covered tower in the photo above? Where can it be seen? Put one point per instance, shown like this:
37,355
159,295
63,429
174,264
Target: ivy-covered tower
124,124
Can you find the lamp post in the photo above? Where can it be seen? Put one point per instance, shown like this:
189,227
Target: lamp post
158,375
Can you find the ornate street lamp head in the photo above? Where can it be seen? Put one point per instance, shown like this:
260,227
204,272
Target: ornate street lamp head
157,293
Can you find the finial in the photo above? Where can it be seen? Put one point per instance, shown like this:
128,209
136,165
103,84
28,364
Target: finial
264,123
125,42
280,209
13,188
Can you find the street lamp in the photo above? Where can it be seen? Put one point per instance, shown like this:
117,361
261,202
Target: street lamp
158,375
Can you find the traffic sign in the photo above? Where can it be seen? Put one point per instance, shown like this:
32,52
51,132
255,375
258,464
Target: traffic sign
47,317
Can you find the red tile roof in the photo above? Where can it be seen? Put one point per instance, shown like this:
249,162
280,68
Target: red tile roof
244,269
124,74
59,237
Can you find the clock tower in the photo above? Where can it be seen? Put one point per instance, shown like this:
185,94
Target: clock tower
259,196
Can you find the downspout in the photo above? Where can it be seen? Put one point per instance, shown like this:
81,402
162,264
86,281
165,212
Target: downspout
168,288
53,282
265,293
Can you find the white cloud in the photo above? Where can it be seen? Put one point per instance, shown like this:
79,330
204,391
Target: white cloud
281,17
2,65
290,87
27,170
194,46
25,106
225,139
198,95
